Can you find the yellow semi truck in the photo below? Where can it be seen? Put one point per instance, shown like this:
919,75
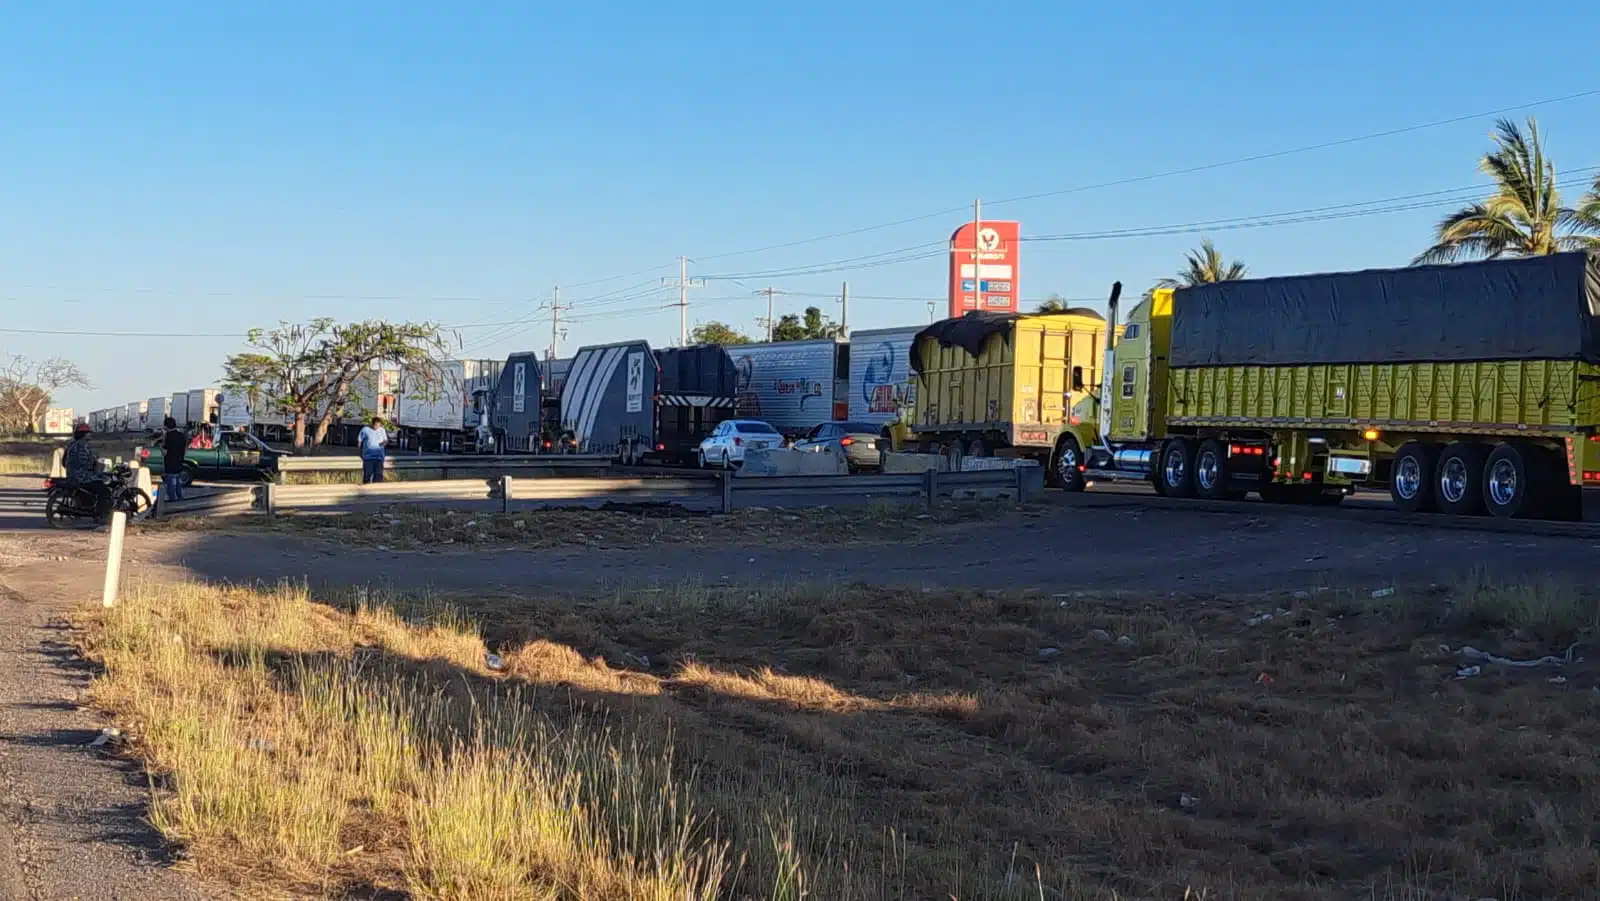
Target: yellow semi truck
1464,389
995,384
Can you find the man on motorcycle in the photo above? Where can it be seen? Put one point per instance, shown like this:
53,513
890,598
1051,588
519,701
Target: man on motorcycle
83,471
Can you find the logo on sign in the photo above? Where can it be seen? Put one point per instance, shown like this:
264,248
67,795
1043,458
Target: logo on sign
519,387
988,239
635,382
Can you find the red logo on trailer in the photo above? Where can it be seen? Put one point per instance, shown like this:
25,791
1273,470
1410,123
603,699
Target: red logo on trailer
983,267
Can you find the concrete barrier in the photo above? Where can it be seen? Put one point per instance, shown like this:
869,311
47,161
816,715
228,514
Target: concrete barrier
785,462
985,464
915,463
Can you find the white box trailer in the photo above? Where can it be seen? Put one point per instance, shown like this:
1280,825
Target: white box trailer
202,405
233,412
881,379
441,407
133,416
793,385
156,410
376,392
178,408
58,421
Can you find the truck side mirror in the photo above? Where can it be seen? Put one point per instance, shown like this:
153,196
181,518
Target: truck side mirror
1077,378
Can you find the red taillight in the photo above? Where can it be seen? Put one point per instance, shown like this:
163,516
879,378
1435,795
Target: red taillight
1246,450
846,441
1305,476
144,453
738,442
661,447
1591,477
547,444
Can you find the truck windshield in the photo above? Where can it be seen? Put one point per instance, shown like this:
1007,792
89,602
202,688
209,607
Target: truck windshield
756,428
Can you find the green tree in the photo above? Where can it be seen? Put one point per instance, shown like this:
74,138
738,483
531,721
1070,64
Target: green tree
1524,216
810,326
1055,303
306,371
1205,267
716,333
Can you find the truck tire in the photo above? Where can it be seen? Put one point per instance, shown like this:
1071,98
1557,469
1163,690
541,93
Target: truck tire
951,451
1211,470
979,448
1175,468
1459,478
1411,478
1066,464
1518,482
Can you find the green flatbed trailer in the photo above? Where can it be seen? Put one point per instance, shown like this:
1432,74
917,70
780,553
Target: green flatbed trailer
1464,390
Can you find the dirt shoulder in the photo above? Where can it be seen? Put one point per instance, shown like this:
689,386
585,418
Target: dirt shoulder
71,818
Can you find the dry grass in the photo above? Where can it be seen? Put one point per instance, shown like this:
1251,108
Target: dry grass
852,743
411,528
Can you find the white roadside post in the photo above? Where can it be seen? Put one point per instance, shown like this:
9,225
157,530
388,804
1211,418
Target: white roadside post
119,527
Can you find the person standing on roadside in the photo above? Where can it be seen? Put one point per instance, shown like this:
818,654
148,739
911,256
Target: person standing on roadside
174,446
373,439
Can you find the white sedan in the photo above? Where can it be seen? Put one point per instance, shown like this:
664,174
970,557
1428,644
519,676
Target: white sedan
726,445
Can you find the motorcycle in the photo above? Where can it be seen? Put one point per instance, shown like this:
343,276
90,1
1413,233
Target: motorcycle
72,505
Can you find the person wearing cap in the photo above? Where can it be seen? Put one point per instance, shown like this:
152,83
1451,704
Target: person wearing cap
83,466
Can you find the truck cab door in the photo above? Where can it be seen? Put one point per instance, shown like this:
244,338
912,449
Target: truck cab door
1128,385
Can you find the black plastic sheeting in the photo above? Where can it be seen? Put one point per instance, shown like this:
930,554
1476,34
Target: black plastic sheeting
1535,308
969,332
702,369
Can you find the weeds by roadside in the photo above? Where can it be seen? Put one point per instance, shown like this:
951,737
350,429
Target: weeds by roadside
866,744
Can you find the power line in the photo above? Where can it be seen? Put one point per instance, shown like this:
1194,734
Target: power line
1171,173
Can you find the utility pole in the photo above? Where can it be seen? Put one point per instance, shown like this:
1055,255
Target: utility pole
844,308
771,322
555,322
977,264
683,284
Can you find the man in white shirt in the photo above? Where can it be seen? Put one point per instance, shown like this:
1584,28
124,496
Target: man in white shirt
373,439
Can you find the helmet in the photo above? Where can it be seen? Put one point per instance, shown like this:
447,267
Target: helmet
81,428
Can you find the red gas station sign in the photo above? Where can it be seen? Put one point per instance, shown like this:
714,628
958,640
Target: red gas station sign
983,267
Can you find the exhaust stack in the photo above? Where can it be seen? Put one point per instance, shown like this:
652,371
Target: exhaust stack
1109,366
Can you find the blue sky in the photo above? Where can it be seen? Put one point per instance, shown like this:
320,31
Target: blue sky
189,168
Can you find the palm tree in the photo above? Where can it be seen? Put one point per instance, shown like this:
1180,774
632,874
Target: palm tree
1055,303
1589,213
1205,267
1524,216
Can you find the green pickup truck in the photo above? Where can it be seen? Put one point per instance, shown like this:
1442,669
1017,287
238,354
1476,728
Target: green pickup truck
236,456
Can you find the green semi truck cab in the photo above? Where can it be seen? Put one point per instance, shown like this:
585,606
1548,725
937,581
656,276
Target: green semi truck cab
1468,389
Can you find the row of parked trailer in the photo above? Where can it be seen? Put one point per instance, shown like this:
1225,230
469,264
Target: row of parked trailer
189,408
626,400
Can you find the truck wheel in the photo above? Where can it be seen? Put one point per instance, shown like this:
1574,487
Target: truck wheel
1211,470
1459,478
1517,481
1175,468
952,453
979,448
1411,482
1066,465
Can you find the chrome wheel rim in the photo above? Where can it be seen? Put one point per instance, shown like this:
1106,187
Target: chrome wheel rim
1453,479
1408,478
1207,470
1068,462
1503,483
1174,468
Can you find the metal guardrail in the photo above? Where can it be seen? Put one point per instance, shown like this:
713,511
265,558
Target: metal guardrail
721,494
223,502
447,463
